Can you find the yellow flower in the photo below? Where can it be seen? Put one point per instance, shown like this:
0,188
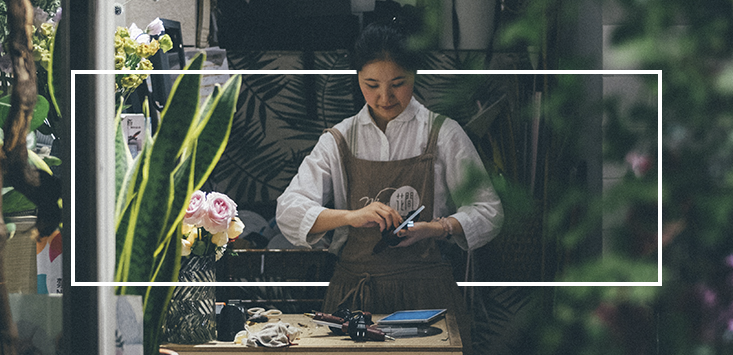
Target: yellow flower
46,60
47,29
147,50
165,43
130,45
122,32
38,52
144,65
119,62
131,81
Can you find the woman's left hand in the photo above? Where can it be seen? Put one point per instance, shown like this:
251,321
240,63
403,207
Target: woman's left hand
418,232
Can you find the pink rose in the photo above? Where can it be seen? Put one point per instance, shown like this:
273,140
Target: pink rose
220,211
640,163
196,208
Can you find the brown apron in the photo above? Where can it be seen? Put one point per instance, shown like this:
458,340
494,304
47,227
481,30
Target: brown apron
413,277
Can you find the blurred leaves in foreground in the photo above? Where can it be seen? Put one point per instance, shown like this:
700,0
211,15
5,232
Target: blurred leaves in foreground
692,313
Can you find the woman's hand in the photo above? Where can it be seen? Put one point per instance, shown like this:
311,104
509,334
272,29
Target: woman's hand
420,231
373,215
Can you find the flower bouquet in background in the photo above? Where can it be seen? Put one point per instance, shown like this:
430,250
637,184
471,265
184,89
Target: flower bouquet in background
44,30
210,222
133,47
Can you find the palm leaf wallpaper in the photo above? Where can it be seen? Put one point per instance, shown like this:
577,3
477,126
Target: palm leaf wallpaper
280,117
278,121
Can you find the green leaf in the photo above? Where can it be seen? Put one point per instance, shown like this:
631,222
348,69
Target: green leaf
198,248
123,158
49,76
182,188
40,111
122,249
52,161
215,131
157,298
14,201
39,163
11,228
153,207
123,211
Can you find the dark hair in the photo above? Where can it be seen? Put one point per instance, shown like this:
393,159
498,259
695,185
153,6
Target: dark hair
384,41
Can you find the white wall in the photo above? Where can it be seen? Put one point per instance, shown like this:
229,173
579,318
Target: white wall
142,12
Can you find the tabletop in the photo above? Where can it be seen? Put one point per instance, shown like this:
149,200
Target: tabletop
318,339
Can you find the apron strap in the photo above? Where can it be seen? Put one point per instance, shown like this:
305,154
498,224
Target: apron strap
340,141
436,122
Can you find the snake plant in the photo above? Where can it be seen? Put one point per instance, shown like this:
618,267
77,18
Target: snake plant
153,189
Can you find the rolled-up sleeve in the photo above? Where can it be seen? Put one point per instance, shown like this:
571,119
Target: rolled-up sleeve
311,188
482,218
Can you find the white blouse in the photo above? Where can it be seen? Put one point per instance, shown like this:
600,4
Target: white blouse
320,178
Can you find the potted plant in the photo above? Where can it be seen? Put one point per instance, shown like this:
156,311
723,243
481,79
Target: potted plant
154,189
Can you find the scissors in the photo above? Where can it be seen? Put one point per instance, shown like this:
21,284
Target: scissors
258,314
389,236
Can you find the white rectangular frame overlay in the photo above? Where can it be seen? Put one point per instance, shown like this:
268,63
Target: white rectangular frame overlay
352,72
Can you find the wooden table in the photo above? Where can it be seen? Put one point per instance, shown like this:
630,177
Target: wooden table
317,339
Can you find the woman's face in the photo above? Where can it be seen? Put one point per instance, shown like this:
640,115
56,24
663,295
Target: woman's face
387,89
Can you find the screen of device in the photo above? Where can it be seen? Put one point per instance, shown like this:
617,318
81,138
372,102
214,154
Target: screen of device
413,316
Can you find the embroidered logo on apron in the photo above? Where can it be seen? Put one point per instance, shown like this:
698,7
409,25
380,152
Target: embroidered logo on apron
403,200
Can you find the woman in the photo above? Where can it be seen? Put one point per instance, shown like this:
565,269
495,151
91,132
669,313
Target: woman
376,167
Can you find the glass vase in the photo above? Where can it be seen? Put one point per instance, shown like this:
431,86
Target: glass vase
191,317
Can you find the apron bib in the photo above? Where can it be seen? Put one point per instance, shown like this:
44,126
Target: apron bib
413,277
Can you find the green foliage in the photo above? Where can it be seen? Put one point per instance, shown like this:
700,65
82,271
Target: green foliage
13,201
153,189
39,111
691,312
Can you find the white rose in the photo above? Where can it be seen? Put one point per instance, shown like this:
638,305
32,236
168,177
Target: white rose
186,250
235,228
220,239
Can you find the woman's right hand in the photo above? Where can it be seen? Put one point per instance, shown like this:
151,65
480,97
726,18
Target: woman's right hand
373,215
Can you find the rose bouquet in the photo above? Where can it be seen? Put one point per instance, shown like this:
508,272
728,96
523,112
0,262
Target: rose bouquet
210,222
133,47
